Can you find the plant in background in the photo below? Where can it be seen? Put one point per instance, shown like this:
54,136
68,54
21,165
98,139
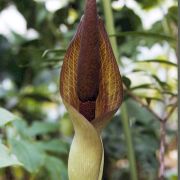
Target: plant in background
91,89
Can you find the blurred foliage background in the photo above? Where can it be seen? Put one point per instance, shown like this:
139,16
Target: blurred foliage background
35,130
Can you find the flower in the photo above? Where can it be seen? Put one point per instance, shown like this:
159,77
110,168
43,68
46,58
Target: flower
91,89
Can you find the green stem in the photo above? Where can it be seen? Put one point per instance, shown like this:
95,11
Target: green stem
128,137
125,120
110,26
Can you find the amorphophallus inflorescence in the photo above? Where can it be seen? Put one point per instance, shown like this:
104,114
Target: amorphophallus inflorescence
91,89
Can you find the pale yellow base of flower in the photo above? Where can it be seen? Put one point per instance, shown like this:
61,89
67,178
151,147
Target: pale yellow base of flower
86,155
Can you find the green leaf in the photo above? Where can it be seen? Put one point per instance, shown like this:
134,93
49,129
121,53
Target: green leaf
146,4
170,93
138,70
145,34
158,61
139,112
126,81
56,145
7,158
40,97
42,128
56,168
143,86
48,51
6,117
161,83
28,154
173,13
151,98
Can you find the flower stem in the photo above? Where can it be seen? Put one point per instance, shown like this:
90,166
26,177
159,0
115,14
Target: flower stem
125,120
110,26
128,137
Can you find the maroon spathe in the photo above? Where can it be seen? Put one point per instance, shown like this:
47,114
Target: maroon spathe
88,69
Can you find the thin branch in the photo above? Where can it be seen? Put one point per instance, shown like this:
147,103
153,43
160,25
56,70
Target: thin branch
163,142
171,111
144,105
